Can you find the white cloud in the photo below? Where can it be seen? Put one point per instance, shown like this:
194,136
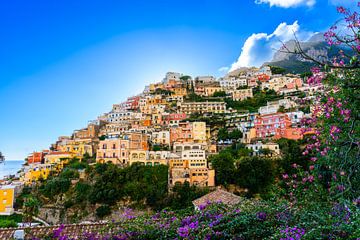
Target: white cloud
287,3
260,47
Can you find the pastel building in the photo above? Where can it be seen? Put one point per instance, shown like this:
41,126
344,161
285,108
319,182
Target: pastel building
202,107
210,90
267,125
232,83
199,131
181,133
79,148
37,157
151,158
259,146
161,138
137,140
182,171
91,131
242,94
289,133
34,172
172,119
179,147
7,196
115,150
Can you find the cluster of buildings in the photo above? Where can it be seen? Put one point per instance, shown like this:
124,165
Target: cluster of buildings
153,127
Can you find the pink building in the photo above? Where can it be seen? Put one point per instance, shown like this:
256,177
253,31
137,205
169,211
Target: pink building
182,133
173,118
132,103
267,125
289,133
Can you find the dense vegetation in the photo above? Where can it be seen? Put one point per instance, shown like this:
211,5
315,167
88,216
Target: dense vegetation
248,220
106,185
253,104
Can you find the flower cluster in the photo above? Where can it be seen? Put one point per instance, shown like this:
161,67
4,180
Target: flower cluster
293,233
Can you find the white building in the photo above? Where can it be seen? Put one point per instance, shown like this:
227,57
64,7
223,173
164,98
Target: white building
295,117
162,137
232,83
257,148
172,76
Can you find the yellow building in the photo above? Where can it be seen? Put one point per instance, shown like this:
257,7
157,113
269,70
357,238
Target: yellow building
249,135
58,159
150,158
7,195
179,91
210,90
193,171
155,86
202,107
199,131
137,156
78,148
242,94
35,172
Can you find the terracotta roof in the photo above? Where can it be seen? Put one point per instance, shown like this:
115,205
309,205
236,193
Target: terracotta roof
218,196
58,153
73,230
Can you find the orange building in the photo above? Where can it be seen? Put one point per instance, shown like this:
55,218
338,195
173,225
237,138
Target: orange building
289,133
138,141
36,157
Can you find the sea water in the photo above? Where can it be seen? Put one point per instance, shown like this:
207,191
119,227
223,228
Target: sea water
10,167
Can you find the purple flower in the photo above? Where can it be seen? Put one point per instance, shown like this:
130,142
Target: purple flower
261,216
57,232
183,231
294,233
194,225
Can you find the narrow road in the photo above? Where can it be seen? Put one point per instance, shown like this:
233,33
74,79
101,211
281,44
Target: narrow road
35,218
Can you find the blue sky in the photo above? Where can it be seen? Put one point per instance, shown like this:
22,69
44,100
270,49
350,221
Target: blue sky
63,63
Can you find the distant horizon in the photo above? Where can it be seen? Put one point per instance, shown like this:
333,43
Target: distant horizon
14,160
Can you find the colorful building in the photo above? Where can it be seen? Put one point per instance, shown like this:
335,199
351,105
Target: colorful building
241,94
267,125
115,150
199,131
202,107
37,157
34,172
7,196
257,148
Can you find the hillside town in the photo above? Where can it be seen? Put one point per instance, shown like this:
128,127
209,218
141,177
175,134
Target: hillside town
180,122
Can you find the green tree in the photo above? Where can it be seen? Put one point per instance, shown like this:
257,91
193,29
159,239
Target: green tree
30,208
255,173
277,70
220,94
223,163
103,211
235,134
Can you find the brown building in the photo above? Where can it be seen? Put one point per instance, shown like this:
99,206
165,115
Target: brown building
91,131
138,141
